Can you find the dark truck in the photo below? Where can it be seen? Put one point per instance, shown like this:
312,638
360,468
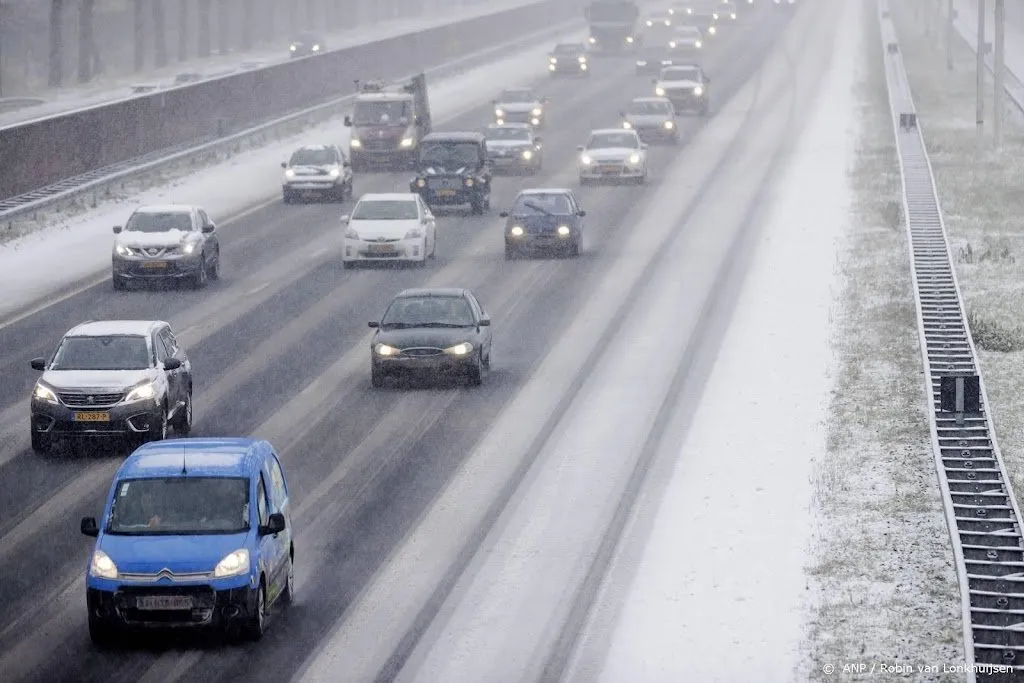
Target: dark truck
388,121
613,25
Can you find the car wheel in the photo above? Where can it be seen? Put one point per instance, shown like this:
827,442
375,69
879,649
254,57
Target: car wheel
288,594
510,253
214,273
256,624
158,432
350,189
119,283
476,373
287,197
376,377
100,633
476,207
41,443
183,424
199,279
574,249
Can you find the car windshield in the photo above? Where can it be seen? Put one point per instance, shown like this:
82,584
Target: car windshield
688,32
569,50
612,140
522,134
542,205
313,156
428,311
650,108
517,95
385,210
663,20
159,222
114,352
180,506
449,156
680,75
306,39
382,113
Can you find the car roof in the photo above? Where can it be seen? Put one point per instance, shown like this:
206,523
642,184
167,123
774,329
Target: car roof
454,137
166,208
314,147
545,190
390,96
520,89
690,67
103,328
431,291
517,126
574,46
612,130
655,100
388,196
198,457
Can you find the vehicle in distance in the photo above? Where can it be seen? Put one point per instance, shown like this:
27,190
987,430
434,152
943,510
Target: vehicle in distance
437,332
653,61
653,118
173,242
659,19
781,2
705,22
195,533
306,44
123,379
514,147
452,170
568,58
613,154
395,227
317,171
544,220
388,121
612,25
680,9
519,105
725,10
687,39
686,86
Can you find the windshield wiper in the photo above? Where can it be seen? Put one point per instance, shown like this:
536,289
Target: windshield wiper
536,207
399,326
440,324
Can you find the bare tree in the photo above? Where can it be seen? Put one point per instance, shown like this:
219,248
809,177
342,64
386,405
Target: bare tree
139,17
56,43
204,28
159,34
183,30
223,25
248,19
86,45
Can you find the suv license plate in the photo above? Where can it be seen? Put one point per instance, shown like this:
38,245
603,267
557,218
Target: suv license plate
92,417
446,193
164,602
155,264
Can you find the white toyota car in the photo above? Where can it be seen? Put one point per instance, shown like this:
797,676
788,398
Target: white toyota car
389,227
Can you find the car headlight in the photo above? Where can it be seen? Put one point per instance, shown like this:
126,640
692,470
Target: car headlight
634,159
122,250
535,121
669,125
385,350
352,234
732,16
629,39
355,142
698,91
469,182
643,63
527,154
141,393
627,124
714,16
335,172
698,44
650,23
293,48
459,349
553,60
551,67
583,67
537,111
189,248
581,59
499,112
316,48
233,564
406,142
44,393
289,173
591,40
414,234
563,230
586,160
420,182
712,30
672,43
660,92
516,231
102,566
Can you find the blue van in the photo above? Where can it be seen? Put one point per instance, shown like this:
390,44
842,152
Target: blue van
195,533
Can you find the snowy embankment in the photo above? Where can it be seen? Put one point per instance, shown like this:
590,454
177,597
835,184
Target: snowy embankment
981,199
61,252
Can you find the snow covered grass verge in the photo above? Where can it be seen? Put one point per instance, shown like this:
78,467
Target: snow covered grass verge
981,198
883,584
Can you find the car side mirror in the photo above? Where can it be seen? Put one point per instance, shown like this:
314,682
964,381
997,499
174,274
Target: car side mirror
347,121
494,101
117,229
538,141
345,163
89,527
622,114
373,323
209,227
284,164
707,79
581,213
654,81
503,214
580,147
485,322
274,525
417,119
38,363
172,364
345,218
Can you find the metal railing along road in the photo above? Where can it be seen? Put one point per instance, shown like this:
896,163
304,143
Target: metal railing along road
981,511
1012,86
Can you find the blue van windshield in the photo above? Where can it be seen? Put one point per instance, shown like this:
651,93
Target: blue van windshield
180,506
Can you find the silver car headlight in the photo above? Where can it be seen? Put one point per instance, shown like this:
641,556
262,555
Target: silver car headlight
355,142
585,160
141,393
289,173
293,48
335,172
669,125
420,182
516,231
537,111
385,350
553,60
234,564
102,566
627,124
634,159
44,393
189,248
122,250
660,92
499,112
712,30
672,43
698,91
563,230
460,349
527,154
581,59
352,234
316,48
414,234
698,44
406,142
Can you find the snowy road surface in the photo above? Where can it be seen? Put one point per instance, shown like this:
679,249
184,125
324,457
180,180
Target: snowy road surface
397,489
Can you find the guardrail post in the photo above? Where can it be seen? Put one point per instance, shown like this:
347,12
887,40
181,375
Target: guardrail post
960,394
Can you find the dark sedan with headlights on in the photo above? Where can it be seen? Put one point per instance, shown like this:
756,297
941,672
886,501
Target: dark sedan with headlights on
544,220
438,331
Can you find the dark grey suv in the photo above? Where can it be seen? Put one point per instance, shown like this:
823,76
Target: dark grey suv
127,379
169,242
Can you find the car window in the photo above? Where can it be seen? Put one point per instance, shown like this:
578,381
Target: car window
536,204
180,506
449,156
313,156
278,489
612,140
171,341
115,352
385,210
262,506
159,222
569,50
160,348
428,311
503,133
475,304
517,95
381,112
650,108
688,74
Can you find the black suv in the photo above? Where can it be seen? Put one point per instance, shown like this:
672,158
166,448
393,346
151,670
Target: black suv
125,379
453,169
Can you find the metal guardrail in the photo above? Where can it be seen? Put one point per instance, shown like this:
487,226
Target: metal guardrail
981,512
101,179
1012,85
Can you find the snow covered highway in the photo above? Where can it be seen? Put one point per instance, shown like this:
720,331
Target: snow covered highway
473,534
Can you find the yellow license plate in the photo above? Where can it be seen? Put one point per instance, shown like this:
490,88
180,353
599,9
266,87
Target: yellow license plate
155,264
446,193
381,248
92,417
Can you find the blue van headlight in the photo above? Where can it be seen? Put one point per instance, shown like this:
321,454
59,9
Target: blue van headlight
102,566
233,564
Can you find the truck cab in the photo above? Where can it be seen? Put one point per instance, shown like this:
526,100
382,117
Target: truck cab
613,26
388,121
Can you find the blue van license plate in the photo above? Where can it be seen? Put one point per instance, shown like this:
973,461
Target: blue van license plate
164,602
